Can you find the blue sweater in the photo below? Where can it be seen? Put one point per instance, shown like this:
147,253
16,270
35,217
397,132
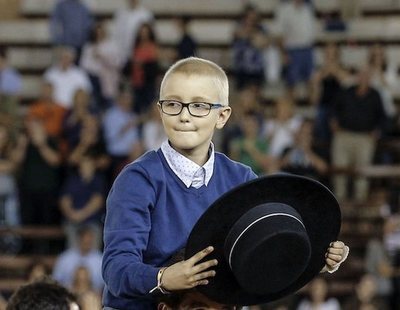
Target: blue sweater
150,214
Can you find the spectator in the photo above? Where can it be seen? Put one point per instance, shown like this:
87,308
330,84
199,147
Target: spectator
326,84
121,131
144,69
383,77
296,26
82,200
70,24
10,80
101,59
248,50
75,118
391,242
91,142
251,149
357,122
47,111
301,158
318,293
127,22
82,287
378,264
365,296
43,294
187,45
280,129
85,255
10,88
66,78
248,100
9,202
39,178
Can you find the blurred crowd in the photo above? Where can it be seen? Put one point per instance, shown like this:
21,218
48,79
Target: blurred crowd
96,112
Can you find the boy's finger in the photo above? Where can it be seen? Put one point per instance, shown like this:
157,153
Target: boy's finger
204,275
203,266
200,255
330,262
335,257
335,251
337,244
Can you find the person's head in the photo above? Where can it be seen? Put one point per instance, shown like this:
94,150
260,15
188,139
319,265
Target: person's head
183,23
191,299
304,136
250,16
377,56
284,108
66,57
145,34
42,295
98,33
133,4
205,85
366,288
87,167
331,53
125,100
250,124
364,78
86,239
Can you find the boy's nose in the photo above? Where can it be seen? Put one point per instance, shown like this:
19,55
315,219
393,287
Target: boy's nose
184,115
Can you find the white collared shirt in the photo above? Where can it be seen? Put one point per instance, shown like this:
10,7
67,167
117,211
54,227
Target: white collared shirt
190,173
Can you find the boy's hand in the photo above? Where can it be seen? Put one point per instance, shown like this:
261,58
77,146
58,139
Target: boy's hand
188,274
336,254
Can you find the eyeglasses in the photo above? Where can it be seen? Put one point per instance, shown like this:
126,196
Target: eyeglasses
197,109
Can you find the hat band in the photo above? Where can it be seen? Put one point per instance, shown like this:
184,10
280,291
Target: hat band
254,222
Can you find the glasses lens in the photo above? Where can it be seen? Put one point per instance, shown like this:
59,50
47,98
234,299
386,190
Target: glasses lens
199,109
171,107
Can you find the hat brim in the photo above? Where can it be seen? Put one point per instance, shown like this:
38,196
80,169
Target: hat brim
316,204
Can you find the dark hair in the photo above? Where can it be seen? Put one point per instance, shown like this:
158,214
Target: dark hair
45,294
151,34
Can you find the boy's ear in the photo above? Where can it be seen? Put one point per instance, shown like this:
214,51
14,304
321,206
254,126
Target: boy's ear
223,117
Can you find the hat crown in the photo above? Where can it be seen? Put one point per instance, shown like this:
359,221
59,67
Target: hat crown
265,236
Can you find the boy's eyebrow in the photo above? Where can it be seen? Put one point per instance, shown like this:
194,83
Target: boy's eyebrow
193,99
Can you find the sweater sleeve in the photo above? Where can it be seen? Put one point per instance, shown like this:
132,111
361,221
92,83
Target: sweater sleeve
126,234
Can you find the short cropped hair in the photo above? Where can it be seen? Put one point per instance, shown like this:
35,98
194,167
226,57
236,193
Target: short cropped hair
44,294
198,66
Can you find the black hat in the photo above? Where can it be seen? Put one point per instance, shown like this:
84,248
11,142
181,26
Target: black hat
270,236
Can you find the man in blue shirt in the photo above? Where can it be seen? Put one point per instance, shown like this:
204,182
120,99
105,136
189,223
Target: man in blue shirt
70,24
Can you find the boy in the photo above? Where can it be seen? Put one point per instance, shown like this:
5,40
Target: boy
156,200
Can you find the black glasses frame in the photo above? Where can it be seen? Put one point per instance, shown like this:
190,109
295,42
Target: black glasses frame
188,105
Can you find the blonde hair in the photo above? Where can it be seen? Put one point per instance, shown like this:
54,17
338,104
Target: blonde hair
198,66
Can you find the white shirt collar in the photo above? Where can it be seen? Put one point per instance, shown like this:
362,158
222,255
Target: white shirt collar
190,173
